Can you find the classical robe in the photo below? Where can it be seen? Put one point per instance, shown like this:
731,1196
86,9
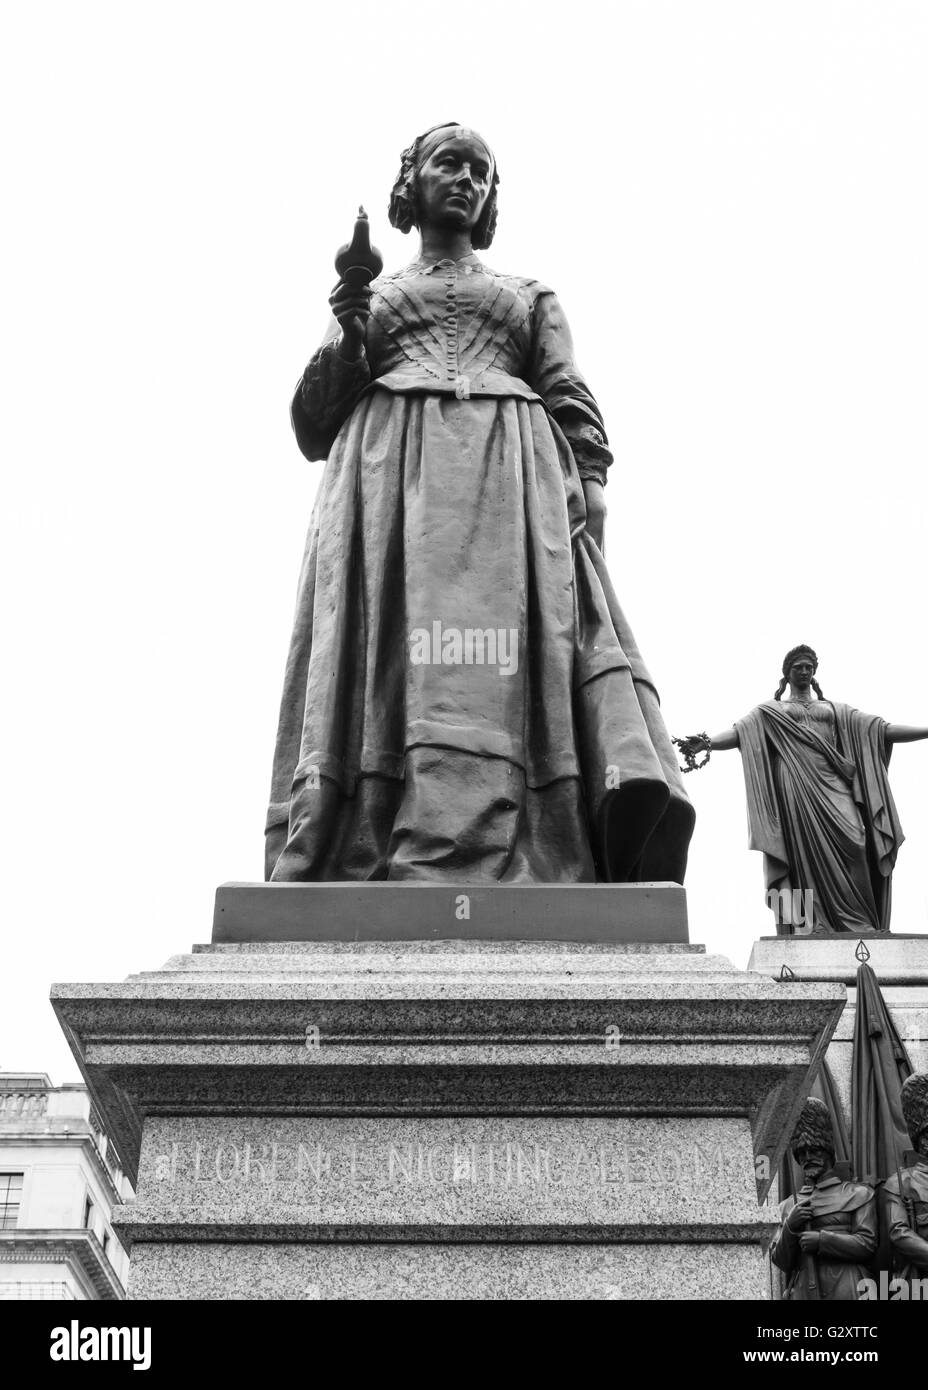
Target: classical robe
464,698
821,811
844,1215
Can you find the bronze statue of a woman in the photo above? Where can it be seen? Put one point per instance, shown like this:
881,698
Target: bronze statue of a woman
464,699
819,802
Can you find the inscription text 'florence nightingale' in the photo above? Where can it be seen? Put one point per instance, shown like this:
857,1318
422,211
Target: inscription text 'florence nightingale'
375,1165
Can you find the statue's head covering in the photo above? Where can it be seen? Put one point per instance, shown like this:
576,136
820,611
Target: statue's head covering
813,1128
403,210
429,141
915,1104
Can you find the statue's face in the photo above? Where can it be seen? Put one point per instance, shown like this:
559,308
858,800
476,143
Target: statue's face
813,1162
801,673
454,183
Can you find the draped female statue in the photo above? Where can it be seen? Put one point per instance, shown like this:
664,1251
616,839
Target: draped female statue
819,803
463,698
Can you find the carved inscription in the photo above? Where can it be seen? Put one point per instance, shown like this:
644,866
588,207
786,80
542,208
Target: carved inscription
315,1165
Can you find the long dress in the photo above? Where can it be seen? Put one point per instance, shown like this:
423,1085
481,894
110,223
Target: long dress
463,697
821,810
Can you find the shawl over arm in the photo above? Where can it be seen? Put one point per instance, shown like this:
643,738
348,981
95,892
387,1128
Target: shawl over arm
552,372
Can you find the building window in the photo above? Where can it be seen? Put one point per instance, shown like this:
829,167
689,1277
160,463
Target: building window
88,1214
106,1241
11,1192
23,1289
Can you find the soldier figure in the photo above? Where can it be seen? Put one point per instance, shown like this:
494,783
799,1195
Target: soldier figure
829,1229
908,1208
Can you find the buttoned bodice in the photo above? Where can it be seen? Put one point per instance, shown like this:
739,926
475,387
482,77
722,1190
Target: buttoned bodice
459,329
454,326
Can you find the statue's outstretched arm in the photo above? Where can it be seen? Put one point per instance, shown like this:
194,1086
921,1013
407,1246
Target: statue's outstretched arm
694,744
703,743
904,733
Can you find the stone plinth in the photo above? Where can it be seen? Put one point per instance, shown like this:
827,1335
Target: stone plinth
900,964
250,912
448,1119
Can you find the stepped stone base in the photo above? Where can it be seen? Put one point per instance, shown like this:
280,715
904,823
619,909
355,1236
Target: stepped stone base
449,1118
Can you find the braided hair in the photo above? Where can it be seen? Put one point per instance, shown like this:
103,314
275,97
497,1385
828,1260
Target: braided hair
404,210
788,660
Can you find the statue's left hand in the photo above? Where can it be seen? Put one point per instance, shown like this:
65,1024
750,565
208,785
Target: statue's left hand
594,496
809,1242
692,745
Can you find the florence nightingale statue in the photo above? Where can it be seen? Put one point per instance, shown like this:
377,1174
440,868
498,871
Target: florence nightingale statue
464,699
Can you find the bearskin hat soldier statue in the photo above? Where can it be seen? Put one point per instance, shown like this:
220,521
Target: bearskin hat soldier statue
828,1230
907,1191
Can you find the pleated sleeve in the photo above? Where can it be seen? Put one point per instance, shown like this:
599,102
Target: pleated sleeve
553,374
325,396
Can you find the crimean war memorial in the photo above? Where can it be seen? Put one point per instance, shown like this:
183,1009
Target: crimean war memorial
459,1043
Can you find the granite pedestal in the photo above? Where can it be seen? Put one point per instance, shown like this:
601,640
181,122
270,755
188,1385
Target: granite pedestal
450,1118
900,964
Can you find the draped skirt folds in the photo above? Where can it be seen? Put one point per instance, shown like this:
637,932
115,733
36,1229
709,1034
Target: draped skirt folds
463,698
823,814
826,845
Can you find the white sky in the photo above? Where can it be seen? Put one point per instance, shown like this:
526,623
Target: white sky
731,201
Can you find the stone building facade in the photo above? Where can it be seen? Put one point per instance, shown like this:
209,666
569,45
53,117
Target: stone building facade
60,1180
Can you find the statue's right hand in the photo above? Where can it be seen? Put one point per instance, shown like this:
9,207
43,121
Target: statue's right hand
800,1215
351,305
691,745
